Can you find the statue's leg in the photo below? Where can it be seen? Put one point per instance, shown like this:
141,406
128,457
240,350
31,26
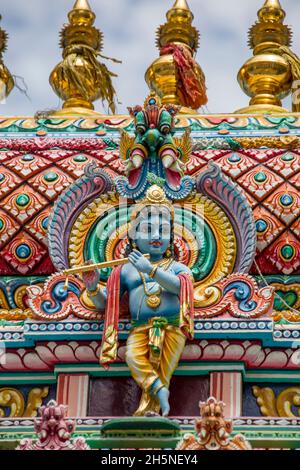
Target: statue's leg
173,345
148,404
172,349
143,372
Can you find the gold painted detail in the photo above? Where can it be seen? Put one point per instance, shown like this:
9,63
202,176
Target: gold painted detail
178,28
206,296
15,314
281,406
21,312
267,76
162,75
80,78
14,400
126,144
184,144
153,299
289,315
109,346
294,62
283,142
6,80
155,196
3,300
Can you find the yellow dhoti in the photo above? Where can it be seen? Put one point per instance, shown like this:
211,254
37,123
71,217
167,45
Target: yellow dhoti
153,352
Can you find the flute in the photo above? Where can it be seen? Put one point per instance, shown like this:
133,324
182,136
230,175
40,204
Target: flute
91,267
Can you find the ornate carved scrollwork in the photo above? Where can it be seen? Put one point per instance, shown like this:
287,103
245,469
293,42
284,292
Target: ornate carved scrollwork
280,405
15,401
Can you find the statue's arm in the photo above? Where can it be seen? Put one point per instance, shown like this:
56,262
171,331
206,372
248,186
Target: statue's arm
99,300
97,294
170,281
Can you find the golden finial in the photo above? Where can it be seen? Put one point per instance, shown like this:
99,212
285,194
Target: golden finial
80,78
6,80
82,5
175,76
267,77
181,5
178,27
271,11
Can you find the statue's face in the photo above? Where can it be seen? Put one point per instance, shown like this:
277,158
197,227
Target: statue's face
153,136
152,231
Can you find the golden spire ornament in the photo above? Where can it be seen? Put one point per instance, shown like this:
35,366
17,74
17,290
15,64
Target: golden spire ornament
80,79
6,80
82,5
175,76
267,77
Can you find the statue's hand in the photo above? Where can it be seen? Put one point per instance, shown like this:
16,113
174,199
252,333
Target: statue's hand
141,263
91,279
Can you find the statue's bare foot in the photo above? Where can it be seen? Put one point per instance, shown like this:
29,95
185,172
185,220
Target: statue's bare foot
151,414
163,396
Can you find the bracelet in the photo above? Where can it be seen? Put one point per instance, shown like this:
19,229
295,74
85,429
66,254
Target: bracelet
93,293
153,272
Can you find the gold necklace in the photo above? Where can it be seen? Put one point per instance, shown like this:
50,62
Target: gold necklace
153,299
162,263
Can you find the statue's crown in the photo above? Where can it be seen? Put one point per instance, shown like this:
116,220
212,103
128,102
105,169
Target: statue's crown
155,196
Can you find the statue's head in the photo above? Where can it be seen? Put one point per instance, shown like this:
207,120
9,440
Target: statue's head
155,149
154,124
151,229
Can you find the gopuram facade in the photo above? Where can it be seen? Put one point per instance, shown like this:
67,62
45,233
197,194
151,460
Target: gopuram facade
150,262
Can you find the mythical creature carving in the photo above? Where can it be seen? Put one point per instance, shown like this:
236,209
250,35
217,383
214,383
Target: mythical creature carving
154,150
54,431
213,431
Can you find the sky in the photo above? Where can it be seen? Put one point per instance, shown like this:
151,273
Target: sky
129,28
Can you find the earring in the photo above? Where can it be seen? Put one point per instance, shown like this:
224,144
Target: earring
168,253
134,245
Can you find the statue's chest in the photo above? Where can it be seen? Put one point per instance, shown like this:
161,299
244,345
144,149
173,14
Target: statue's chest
133,279
144,294
130,278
